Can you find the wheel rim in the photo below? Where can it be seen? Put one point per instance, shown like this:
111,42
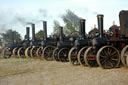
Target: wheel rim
81,56
39,52
73,56
108,57
124,54
15,52
55,54
21,52
6,53
33,52
27,52
90,58
47,53
63,55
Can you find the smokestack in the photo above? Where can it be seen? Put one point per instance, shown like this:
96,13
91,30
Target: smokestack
27,32
61,33
33,32
45,29
100,24
82,28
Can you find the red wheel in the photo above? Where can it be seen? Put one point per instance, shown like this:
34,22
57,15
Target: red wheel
90,58
81,56
73,56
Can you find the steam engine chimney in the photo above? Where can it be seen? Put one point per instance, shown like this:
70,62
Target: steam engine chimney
33,32
45,29
27,32
82,28
61,33
100,24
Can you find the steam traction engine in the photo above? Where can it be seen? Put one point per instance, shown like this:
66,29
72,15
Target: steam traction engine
105,50
76,53
34,45
25,43
48,44
124,31
63,46
8,50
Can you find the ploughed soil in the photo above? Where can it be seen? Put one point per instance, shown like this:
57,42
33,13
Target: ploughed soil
40,72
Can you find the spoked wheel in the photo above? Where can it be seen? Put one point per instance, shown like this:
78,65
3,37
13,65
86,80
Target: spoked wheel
81,56
55,54
124,56
72,56
27,52
6,53
21,52
90,58
15,50
47,53
63,54
33,52
39,52
108,57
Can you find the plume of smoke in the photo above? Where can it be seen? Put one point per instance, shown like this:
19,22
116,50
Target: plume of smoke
43,12
20,20
3,28
95,13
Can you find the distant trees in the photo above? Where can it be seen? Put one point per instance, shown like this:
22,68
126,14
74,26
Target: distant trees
56,26
10,35
71,21
39,34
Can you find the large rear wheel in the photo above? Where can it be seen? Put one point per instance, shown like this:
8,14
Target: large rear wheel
27,52
63,54
73,56
81,56
21,52
108,57
6,53
14,52
39,52
33,51
124,56
90,58
55,54
47,53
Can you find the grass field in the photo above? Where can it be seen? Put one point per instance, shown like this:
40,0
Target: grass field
40,72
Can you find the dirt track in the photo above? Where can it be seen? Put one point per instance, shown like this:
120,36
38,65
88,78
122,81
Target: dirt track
37,72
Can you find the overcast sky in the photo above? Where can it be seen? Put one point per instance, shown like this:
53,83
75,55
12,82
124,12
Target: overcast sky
15,13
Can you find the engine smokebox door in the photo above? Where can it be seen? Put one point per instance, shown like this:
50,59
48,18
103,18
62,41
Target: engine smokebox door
124,22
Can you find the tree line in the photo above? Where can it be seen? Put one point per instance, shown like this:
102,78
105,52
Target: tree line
71,25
